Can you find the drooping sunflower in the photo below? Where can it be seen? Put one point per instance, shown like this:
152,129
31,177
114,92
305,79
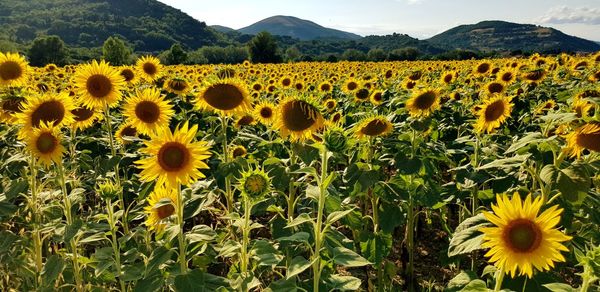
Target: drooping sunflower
44,143
50,108
161,205
534,76
149,68
177,85
84,117
147,111
581,107
173,158
238,151
13,70
373,126
245,120
492,113
298,117
99,85
423,103
9,108
265,112
125,131
584,137
225,96
522,240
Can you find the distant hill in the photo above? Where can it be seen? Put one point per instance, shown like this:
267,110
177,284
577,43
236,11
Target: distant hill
223,29
149,25
296,28
507,36
396,41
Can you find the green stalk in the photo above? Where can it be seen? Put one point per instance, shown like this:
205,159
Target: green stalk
182,259
228,191
499,279
114,242
410,238
291,200
37,242
318,226
113,152
245,236
474,192
73,244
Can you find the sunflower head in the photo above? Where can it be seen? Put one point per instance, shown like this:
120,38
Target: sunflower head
84,117
9,108
373,126
298,117
125,132
238,151
376,97
13,70
129,75
482,68
148,111
177,85
492,113
149,68
423,103
44,143
330,104
161,205
506,76
108,189
224,96
173,157
265,112
99,85
534,76
254,184
49,108
521,240
245,120
584,137
494,87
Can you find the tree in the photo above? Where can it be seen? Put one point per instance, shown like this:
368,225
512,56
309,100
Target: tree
405,54
263,49
48,49
116,51
354,55
292,54
376,55
176,55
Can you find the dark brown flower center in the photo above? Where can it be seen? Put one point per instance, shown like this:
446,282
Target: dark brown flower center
483,68
178,85
10,70
495,87
448,78
507,76
266,112
82,114
245,120
129,131
238,151
494,110
297,115
149,68
425,100
127,74
49,111
362,94
46,143
522,235
352,85
223,96
374,128
173,156
589,141
99,86
165,211
147,111
286,82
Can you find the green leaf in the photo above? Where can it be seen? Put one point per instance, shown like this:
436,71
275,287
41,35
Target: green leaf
376,247
133,272
475,286
266,253
198,281
283,285
559,287
296,237
153,282
343,283
158,257
17,187
72,230
337,215
297,266
302,218
572,181
467,237
7,209
201,233
532,138
7,239
461,280
52,268
506,163
348,258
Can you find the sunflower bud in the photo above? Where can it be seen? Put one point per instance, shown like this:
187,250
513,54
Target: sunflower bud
108,190
254,183
335,139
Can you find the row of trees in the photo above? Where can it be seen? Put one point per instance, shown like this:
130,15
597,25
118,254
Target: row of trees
263,48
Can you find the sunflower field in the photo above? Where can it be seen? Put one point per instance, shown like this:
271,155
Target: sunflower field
392,176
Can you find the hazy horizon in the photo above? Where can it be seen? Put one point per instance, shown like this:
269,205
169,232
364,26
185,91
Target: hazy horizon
417,18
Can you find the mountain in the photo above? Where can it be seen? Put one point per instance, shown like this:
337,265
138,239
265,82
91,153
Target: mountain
149,25
223,29
296,28
507,36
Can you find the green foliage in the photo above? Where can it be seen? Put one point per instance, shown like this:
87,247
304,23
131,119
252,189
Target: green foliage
116,51
263,49
176,55
48,49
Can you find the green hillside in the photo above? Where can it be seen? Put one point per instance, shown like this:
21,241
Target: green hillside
507,36
296,28
147,24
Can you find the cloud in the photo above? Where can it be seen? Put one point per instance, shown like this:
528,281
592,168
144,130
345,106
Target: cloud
564,14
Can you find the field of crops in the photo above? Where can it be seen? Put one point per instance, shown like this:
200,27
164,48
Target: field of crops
392,176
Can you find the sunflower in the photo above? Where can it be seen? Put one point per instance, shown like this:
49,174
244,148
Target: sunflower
13,70
376,97
325,87
225,96
373,126
581,107
584,137
506,76
350,85
423,103
173,157
99,85
124,131
362,95
521,240
238,151
54,109
84,117
147,111
482,68
285,82
177,85
161,205
9,108
298,117
494,87
492,113
149,68
257,86
330,104
245,120
254,184
534,76
265,112
129,74
299,85
448,77
409,84
44,143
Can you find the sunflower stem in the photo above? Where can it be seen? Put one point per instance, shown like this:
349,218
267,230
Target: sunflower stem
228,192
318,226
37,242
475,192
245,236
181,235
114,242
499,279
68,214
113,152
292,196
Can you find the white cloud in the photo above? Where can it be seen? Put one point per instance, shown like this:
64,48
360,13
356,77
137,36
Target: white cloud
564,14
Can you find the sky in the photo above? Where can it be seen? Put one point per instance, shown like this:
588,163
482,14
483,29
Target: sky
417,18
